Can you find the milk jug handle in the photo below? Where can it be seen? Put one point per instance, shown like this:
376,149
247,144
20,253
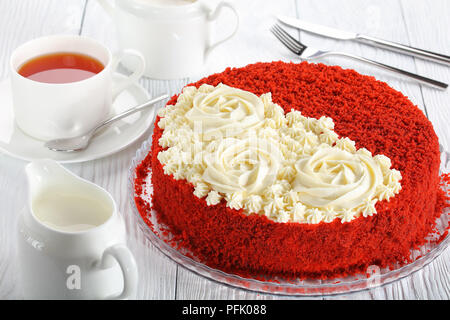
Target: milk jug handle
106,4
125,258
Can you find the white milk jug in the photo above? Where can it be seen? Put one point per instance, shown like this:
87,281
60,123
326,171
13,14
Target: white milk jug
72,239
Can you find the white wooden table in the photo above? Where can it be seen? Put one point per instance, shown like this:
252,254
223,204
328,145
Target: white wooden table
418,23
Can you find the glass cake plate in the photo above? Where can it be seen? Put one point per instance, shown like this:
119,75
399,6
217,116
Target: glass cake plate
374,276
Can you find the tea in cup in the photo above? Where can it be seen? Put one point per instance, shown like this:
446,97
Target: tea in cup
61,67
63,85
173,35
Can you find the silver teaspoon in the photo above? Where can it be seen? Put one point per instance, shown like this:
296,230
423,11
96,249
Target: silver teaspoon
81,142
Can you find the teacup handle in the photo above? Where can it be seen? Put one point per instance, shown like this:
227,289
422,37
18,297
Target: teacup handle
213,16
134,76
127,263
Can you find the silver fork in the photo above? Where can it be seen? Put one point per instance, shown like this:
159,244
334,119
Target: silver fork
308,53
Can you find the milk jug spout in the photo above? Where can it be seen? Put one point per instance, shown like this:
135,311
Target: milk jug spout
44,174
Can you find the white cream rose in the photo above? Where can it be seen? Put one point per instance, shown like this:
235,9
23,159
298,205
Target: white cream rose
225,112
336,178
235,147
242,165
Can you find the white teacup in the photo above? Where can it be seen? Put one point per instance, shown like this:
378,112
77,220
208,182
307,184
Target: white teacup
48,111
71,239
173,35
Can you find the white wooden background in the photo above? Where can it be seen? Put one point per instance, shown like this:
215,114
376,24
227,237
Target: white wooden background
418,23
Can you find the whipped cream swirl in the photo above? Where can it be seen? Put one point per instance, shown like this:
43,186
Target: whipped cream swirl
336,178
248,164
235,147
226,112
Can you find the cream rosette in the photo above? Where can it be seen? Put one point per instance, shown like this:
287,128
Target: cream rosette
336,178
225,112
242,149
245,165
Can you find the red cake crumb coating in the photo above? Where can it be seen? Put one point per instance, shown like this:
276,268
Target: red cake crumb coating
367,111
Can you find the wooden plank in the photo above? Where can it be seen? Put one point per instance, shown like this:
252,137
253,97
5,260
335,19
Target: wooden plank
428,27
21,21
376,18
399,20
12,201
157,274
385,19
252,43
24,20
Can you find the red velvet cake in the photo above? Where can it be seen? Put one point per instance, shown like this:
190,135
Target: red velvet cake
234,218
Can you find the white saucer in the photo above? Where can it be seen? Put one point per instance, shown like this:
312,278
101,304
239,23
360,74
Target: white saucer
111,140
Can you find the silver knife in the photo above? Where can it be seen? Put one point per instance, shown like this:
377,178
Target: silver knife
345,35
